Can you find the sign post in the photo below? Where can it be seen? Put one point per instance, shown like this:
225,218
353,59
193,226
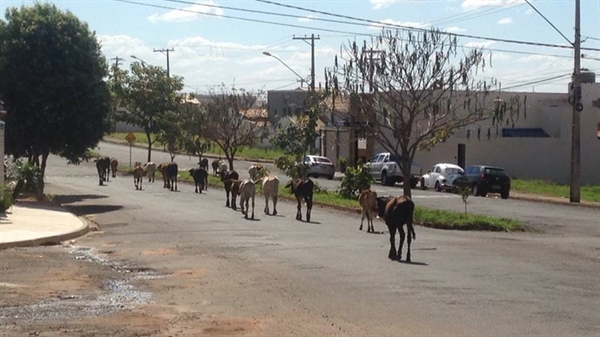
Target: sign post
131,139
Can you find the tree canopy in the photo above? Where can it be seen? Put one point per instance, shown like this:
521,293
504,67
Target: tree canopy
412,90
52,81
150,98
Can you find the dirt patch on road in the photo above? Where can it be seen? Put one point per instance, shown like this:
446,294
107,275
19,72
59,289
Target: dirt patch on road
159,252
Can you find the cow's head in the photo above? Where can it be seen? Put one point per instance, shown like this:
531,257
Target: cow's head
381,203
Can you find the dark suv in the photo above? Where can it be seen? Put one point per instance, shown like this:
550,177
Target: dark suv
483,179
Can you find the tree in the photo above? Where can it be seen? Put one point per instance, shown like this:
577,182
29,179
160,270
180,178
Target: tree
225,121
412,90
52,82
148,94
296,138
192,117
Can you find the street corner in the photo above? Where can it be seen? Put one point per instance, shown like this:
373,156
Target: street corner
34,224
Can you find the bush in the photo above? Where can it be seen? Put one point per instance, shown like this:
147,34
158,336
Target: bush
6,199
27,177
290,167
355,180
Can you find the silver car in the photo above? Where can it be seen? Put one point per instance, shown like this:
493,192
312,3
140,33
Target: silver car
318,166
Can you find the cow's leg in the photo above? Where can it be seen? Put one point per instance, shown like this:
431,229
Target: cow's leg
175,181
362,220
275,204
299,210
227,193
392,254
402,237
253,209
370,218
409,229
196,190
308,209
266,204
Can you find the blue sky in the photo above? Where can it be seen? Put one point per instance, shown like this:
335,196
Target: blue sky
212,49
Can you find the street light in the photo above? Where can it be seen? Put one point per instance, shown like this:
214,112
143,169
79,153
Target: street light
292,70
139,59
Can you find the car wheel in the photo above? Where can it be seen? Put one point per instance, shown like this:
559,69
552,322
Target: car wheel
505,194
423,187
475,190
384,179
438,188
414,182
330,177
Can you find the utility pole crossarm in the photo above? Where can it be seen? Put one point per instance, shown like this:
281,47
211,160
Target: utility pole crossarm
312,39
166,51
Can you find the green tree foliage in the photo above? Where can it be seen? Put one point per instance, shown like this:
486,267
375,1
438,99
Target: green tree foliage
297,138
52,82
192,117
413,90
225,122
150,100
356,179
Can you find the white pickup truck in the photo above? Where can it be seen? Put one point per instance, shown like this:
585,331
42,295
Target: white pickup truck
384,167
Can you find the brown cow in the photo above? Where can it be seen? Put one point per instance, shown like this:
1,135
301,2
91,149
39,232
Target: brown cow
163,170
368,202
114,164
138,175
270,189
228,178
303,190
247,191
397,212
103,167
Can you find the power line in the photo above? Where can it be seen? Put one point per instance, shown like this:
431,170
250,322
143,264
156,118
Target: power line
539,44
550,23
537,81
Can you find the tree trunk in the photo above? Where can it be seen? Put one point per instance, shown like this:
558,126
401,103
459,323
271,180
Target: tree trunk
40,187
230,160
406,175
149,147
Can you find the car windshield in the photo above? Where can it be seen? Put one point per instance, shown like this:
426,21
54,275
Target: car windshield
453,171
495,172
322,160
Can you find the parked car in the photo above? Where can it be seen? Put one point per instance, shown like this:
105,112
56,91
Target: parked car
318,166
384,167
482,179
441,176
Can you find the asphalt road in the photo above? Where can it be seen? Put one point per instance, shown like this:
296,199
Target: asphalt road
328,278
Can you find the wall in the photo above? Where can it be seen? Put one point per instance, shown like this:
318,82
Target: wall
279,101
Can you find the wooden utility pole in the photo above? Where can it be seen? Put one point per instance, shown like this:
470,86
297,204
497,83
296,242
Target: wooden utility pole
574,195
312,39
166,51
117,60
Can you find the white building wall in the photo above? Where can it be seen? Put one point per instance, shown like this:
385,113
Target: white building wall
530,158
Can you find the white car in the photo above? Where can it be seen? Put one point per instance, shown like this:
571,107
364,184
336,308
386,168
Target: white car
440,176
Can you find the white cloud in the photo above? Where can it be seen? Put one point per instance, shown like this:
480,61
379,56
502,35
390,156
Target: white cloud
474,44
399,23
197,42
189,13
455,30
505,21
529,11
377,4
305,19
474,4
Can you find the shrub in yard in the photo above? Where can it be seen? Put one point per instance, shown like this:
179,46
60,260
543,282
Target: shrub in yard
27,177
289,166
355,180
6,199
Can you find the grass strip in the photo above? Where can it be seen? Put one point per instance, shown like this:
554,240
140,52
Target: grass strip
547,188
423,216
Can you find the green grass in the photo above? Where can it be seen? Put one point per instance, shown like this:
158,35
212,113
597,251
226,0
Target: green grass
426,217
243,152
588,193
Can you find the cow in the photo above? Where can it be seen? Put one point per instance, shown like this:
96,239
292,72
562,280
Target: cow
228,178
255,171
397,211
303,190
163,170
102,165
246,190
200,178
368,202
204,164
138,175
150,169
270,189
172,171
114,164
215,166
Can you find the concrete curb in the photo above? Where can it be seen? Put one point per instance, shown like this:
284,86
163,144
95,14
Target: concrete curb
50,240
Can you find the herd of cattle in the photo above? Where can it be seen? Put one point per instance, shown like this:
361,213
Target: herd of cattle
396,211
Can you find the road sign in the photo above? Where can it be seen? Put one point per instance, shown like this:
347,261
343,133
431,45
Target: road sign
130,138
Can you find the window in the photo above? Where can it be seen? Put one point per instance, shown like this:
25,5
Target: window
438,170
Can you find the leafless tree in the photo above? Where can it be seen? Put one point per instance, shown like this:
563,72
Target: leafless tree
412,90
225,122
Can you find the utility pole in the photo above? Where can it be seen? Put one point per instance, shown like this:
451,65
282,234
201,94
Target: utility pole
165,50
312,39
577,108
117,60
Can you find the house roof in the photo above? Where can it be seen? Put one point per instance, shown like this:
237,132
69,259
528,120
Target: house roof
256,114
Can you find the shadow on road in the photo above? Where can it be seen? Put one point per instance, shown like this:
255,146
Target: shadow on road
72,198
414,263
80,210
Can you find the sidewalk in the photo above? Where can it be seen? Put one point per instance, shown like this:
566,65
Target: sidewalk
30,224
